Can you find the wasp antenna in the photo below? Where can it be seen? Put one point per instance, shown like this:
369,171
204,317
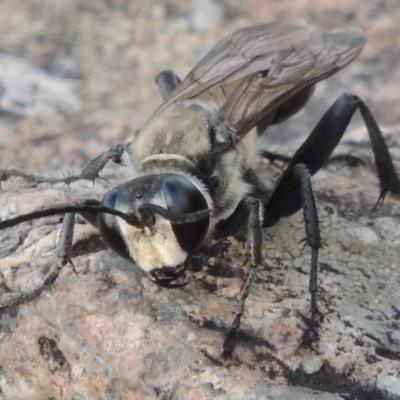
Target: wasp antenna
73,208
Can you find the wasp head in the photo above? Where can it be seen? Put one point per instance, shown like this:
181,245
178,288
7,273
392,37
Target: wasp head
172,218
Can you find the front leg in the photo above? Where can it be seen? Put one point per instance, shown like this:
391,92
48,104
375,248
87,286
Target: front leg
89,172
166,82
255,243
251,208
64,258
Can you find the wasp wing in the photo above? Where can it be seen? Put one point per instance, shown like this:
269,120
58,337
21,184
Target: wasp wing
254,70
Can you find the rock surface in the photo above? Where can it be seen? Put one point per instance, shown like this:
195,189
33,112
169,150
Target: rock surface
109,333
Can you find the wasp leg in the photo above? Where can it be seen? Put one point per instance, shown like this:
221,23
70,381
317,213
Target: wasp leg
89,172
167,82
255,242
292,193
313,239
64,251
248,209
299,179
318,147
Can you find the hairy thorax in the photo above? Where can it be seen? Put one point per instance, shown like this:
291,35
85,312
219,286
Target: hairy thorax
181,129
177,140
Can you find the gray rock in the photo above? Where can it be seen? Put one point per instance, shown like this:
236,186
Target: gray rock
389,383
30,92
311,364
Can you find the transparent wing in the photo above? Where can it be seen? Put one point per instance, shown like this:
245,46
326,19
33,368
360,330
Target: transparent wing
254,70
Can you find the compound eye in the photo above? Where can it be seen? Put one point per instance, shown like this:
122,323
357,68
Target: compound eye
109,229
183,197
